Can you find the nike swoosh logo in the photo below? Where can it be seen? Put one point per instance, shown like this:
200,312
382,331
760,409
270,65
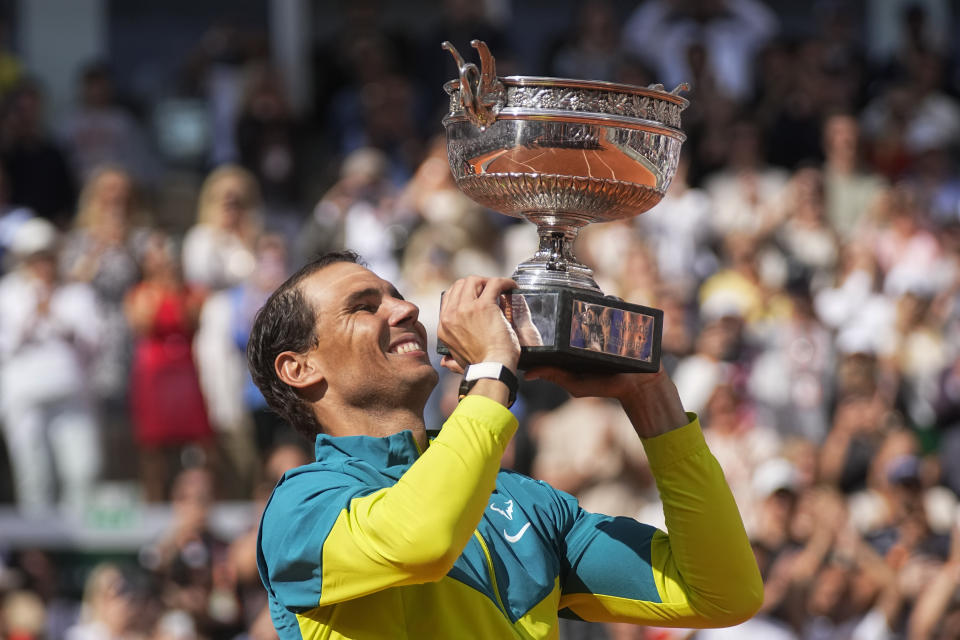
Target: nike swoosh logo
513,538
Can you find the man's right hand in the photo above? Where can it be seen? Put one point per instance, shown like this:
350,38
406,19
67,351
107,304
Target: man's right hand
473,327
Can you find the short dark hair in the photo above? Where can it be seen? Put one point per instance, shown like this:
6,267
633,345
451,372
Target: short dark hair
287,322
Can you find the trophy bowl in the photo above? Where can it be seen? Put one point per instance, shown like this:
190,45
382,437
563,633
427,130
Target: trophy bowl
562,154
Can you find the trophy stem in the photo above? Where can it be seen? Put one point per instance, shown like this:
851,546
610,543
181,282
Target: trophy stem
554,264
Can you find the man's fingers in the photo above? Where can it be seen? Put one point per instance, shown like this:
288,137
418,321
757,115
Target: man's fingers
495,287
448,362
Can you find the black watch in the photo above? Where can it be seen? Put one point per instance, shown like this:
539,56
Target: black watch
492,371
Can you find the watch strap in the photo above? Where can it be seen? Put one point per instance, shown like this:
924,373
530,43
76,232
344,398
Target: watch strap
490,371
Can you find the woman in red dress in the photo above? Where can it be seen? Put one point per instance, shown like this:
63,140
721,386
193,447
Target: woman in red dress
167,406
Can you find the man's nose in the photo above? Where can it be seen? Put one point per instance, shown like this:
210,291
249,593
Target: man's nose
401,311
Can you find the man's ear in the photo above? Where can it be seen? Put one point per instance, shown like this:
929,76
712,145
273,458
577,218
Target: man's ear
298,370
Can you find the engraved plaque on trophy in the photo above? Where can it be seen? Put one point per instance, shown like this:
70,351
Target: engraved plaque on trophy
563,154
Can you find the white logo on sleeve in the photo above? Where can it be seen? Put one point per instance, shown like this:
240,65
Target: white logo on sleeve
514,538
507,510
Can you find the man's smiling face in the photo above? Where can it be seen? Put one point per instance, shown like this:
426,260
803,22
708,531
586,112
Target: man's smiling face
371,348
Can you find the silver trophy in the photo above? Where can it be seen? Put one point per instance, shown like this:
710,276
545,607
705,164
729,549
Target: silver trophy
562,154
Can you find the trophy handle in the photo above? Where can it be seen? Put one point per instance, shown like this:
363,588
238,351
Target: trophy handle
482,95
490,90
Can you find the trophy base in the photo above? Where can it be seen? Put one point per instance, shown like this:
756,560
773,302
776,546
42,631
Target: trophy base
582,332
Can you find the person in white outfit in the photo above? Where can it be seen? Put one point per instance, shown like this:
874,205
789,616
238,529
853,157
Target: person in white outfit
49,331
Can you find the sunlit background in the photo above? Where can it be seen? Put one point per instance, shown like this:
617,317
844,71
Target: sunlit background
166,164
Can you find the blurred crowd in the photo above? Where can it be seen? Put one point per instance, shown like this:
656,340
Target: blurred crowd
806,257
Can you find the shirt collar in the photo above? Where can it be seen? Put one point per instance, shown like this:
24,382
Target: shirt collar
389,451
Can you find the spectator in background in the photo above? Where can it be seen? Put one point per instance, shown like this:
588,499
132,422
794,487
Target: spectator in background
746,191
218,249
591,49
789,99
806,238
268,138
947,407
911,115
40,177
23,616
108,609
49,331
189,561
377,108
908,253
937,611
338,60
242,553
790,377
730,32
102,250
677,232
745,287
166,404
359,213
851,192
215,71
175,624
602,466
102,132
246,428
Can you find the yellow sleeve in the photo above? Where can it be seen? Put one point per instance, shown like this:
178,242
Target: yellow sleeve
414,531
702,574
704,566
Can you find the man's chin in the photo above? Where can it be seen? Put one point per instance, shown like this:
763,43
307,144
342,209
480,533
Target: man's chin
428,378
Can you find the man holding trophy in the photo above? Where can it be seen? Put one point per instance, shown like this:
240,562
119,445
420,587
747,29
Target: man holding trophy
389,535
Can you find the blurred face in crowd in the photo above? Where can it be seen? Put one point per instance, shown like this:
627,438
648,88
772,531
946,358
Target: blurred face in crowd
829,591
597,23
228,199
778,509
113,191
282,459
27,112
191,497
158,261
896,445
42,267
718,340
271,257
109,598
97,91
371,346
841,137
108,204
231,200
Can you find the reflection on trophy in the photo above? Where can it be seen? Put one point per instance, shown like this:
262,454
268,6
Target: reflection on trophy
562,154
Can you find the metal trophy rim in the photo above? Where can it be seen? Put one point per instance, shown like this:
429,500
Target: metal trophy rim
572,83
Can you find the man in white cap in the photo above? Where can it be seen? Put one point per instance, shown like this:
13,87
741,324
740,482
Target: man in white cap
48,331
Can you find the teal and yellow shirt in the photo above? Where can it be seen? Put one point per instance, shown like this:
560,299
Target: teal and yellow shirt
379,540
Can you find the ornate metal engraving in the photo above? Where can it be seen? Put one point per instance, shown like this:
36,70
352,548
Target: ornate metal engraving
560,153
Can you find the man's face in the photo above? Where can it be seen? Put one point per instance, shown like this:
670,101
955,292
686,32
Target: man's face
371,347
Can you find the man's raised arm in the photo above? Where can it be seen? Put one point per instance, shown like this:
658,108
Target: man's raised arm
702,572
